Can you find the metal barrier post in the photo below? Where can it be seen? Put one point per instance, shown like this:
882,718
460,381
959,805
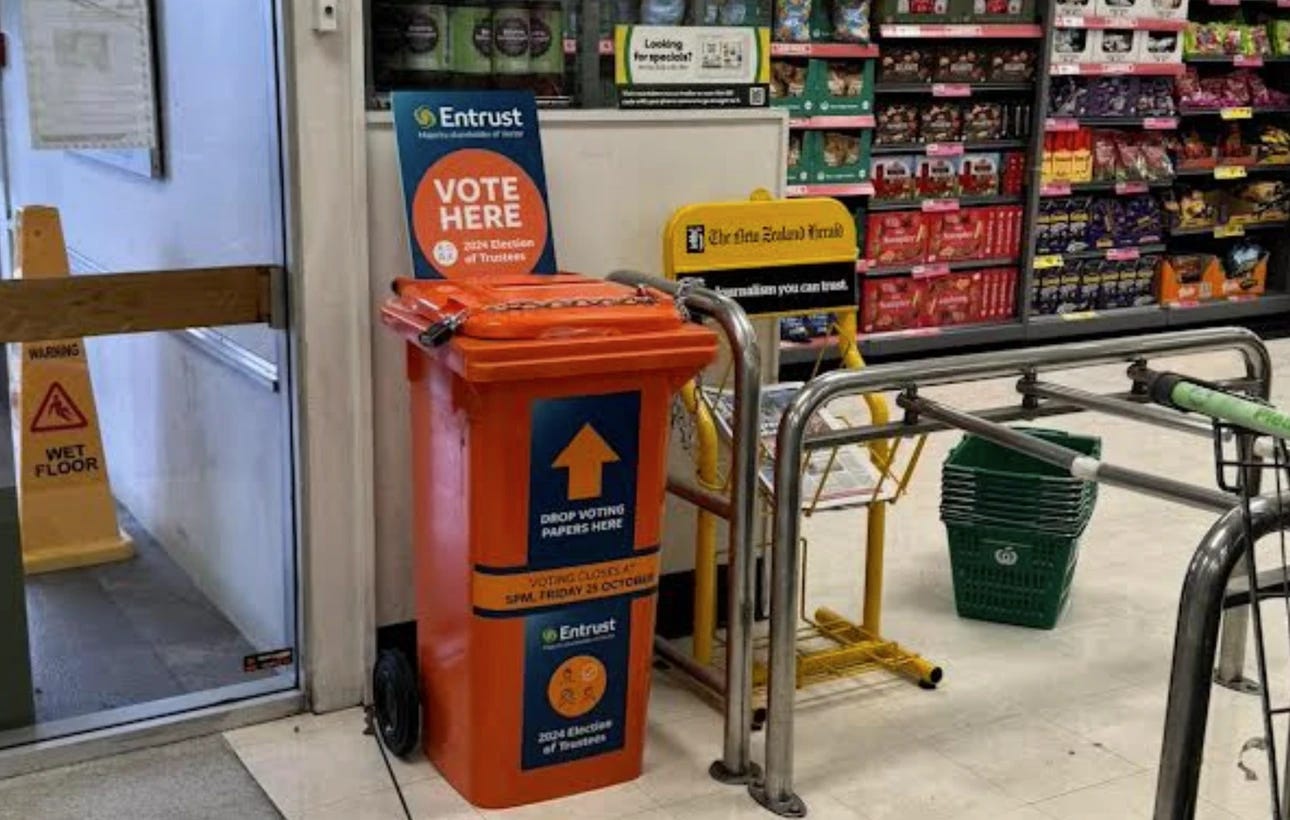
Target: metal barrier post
1235,629
735,765
1195,643
775,791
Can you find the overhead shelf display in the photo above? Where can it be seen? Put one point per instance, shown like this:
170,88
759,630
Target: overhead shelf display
825,51
837,121
1116,69
1127,224
961,31
1076,21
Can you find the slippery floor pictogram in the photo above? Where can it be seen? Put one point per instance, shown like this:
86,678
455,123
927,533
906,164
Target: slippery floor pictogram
58,412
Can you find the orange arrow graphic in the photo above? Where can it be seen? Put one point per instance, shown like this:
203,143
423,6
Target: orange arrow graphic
585,459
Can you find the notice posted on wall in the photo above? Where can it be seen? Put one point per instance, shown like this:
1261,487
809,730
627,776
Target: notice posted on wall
90,81
834,478
668,67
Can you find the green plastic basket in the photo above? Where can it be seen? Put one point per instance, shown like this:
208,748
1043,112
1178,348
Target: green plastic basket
985,459
1070,528
1014,524
1010,575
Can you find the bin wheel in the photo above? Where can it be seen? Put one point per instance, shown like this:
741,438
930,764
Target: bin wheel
398,707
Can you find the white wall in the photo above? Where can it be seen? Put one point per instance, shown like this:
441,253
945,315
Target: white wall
198,452
614,179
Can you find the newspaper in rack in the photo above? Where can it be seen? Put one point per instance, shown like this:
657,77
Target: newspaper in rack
841,476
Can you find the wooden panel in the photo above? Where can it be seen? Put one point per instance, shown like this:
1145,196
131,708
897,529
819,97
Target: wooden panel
38,309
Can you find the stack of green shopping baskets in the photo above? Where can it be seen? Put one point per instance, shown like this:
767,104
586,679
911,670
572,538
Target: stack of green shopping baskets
1014,525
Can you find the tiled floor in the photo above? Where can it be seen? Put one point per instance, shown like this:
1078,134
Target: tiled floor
1028,725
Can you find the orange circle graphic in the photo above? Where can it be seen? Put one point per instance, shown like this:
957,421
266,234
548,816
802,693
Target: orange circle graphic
577,686
477,213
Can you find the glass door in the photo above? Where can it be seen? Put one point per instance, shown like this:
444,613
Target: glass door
147,501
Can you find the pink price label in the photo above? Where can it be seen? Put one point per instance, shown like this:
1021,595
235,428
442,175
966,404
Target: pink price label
944,149
923,271
1055,189
1065,69
951,90
1123,188
940,206
1123,254
1244,61
1160,123
1061,124
1119,68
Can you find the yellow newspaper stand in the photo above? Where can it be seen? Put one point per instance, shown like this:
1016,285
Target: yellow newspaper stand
784,258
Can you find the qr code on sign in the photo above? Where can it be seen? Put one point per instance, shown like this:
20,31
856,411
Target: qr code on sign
756,96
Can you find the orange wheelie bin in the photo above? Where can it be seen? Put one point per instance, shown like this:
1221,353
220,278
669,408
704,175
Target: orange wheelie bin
540,415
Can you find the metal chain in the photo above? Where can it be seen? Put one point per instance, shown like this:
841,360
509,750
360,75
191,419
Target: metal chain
641,297
683,424
683,288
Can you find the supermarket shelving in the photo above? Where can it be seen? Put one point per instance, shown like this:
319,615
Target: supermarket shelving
1238,60
1246,228
825,51
1270,304
934,268
1096,321
959,31
940,204
950,89
1041,328
1117,69
830,121
954,147
1059,124
1029,325
1135,23
830,189
1125,252
1220,112
905,342
1216,172
1126,187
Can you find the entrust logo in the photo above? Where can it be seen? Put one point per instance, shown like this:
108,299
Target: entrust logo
425,117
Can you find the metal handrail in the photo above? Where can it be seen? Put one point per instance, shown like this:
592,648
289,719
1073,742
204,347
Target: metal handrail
775,791
1200,611
735,765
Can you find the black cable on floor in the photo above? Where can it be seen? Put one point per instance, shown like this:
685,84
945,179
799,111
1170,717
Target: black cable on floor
370,712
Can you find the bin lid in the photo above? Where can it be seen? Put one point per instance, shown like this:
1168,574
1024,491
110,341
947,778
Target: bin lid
557,326
536,307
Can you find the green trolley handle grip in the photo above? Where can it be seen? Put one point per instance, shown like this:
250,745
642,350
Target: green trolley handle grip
1173,390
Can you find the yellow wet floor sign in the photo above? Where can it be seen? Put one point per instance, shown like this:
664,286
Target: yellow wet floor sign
65,506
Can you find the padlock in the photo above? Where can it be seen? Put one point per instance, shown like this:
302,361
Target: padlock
441,331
